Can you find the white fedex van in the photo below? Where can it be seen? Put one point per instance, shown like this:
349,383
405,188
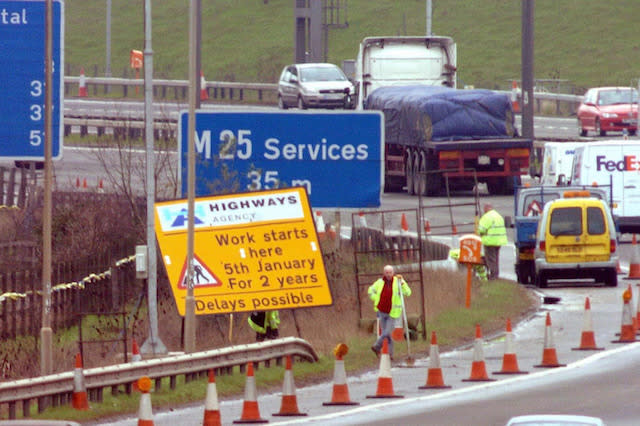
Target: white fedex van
615,163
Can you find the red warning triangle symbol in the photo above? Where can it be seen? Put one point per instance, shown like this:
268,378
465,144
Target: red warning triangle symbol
202,275
534,209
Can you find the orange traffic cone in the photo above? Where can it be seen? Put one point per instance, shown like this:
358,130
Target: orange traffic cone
514,97
82,85
549,355
250,409
627,331
478,367
135,352
363,219
634,264
403,223
638,313
619,270
211,406
79,399
434,373
289,404
398,330
385,383
587,339
204,94
509,359
427,227
320,228
145,415
340,394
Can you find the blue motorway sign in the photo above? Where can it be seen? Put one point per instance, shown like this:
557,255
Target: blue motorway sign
22,78
337,156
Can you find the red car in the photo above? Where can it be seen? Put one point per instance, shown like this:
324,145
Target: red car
608,109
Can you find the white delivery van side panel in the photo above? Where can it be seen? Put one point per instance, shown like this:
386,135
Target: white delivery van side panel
616,163
631,181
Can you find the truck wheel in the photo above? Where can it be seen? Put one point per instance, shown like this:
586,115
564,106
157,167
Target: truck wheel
519,277
408,172
418,188
433,180
422,175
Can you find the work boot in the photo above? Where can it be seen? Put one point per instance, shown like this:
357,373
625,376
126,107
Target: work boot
376,351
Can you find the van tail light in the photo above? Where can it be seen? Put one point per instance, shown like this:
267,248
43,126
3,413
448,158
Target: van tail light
543,246
612,246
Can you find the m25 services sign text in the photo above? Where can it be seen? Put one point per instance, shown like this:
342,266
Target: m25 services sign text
336,156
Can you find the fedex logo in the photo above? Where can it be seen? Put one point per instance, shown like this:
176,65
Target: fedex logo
628,162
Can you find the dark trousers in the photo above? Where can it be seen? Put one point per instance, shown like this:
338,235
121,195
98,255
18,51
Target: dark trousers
492,258
270,334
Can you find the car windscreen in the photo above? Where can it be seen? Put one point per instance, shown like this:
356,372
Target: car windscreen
612,97
321,74
566,221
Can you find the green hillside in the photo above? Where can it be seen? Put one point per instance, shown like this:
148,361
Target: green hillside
587,42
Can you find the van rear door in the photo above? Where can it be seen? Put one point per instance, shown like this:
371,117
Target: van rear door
577,232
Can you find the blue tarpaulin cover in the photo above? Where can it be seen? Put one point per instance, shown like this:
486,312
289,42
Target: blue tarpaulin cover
417,114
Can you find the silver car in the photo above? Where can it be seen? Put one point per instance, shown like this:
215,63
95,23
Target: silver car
317,85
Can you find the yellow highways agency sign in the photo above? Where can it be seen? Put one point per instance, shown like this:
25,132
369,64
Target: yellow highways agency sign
252,251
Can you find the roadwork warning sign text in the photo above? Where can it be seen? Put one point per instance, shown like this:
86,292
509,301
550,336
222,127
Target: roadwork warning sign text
256,251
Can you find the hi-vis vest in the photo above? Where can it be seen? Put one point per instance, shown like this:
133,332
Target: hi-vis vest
259,321
375,290
491,229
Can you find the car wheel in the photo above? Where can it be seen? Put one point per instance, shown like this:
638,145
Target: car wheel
281,103
632,132
583,131
301,104
599,129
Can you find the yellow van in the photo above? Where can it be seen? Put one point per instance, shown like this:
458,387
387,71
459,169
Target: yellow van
576,239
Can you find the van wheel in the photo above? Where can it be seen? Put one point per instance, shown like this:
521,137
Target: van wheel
611,278
541,280
599,129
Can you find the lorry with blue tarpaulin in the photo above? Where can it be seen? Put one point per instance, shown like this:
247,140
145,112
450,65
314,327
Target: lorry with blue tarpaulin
434,132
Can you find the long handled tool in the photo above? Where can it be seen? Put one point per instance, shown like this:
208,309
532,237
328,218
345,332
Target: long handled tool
410,359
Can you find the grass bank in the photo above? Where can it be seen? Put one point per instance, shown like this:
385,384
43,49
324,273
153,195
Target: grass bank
492,303
251,41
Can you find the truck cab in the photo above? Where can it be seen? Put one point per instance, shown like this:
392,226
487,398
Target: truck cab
403,61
